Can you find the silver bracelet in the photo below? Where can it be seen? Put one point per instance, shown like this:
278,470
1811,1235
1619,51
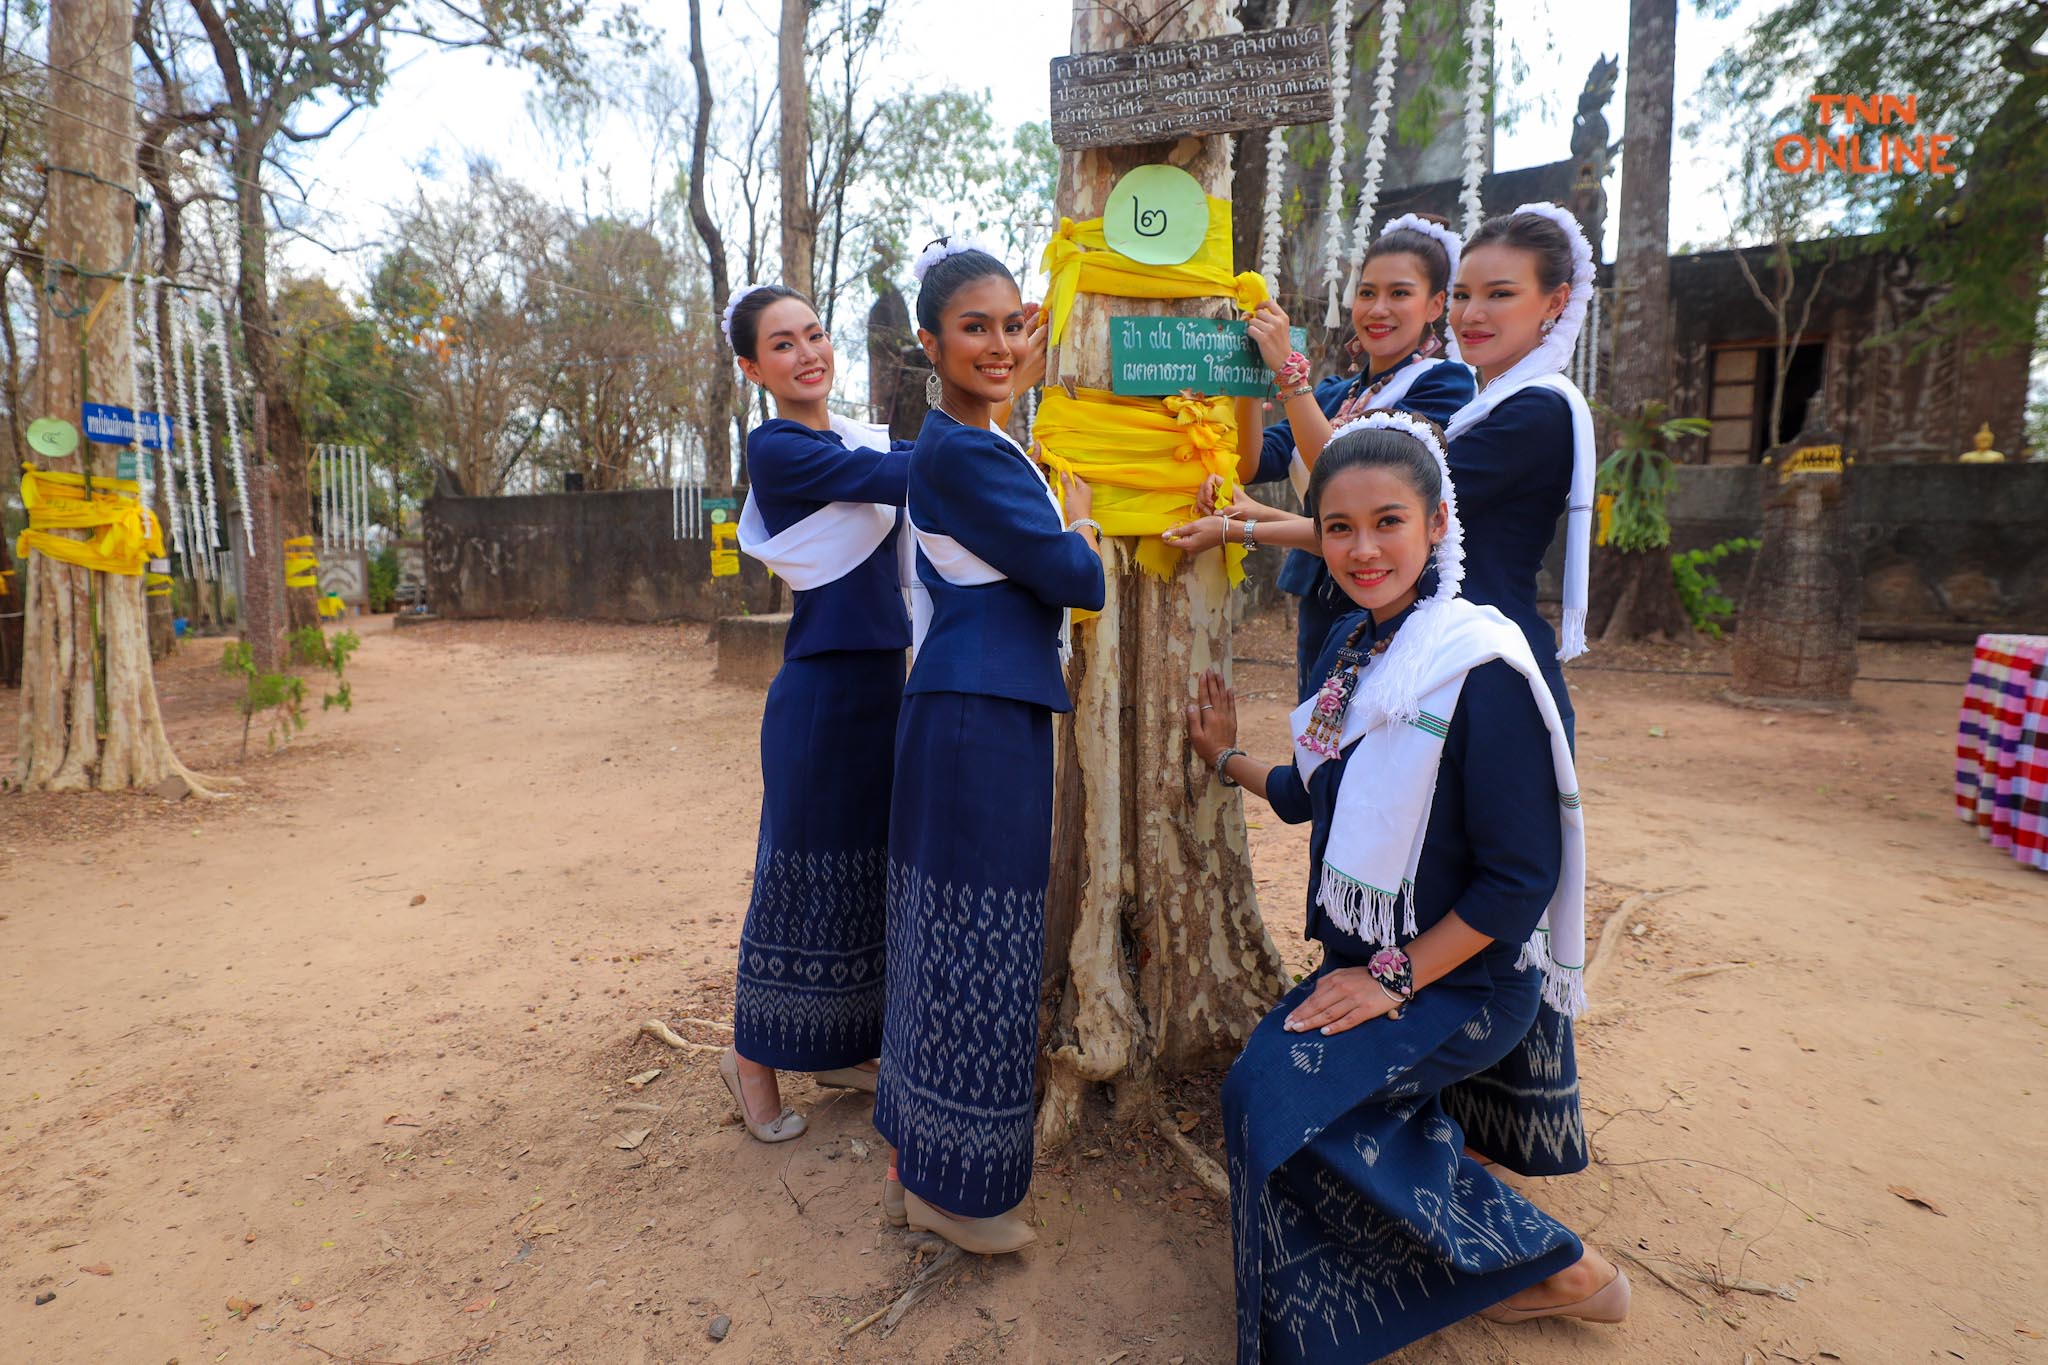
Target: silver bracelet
1251,528
1089,522
1223,761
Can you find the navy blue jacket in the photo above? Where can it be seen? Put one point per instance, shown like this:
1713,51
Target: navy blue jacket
1494,847
996,639
796,470
1513,473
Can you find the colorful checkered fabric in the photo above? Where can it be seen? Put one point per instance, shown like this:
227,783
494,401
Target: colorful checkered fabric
2002,746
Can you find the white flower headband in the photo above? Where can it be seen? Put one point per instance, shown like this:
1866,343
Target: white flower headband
954,245
732,306
1393,687
1448,240
1556,347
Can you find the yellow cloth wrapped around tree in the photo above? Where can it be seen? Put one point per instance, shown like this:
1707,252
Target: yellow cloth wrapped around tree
1079,261
301,566
1145,459
127,534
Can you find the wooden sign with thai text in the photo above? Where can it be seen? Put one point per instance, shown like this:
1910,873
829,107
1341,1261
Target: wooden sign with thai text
1162,91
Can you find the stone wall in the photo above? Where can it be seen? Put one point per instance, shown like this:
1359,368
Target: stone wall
583,556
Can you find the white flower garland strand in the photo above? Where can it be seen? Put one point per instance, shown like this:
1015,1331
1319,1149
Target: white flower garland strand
1478,78
1276,173
230,402
144,493
1333,201
1375,152
191,435
201,340
152,301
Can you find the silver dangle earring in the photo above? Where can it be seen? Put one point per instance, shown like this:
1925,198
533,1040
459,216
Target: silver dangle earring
933,391
1549,326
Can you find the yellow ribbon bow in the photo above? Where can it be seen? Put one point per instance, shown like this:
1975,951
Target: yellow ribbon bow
128,536
1079,260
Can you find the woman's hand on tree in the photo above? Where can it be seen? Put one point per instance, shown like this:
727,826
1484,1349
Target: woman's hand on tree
1029,371
1193,537
1342,1000
1212,717
1076,497
1269,332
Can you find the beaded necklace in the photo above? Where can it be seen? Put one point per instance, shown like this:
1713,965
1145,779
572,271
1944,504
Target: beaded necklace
1333,699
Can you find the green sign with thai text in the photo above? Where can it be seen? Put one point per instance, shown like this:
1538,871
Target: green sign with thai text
1206,355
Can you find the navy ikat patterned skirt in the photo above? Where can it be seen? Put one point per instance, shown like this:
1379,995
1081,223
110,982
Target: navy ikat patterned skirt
970,851
812,952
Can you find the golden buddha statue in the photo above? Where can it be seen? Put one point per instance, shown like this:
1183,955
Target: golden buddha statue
1983,454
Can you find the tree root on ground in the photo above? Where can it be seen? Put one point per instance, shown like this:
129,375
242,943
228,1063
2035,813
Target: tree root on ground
1199,1163
889,1316
662,1033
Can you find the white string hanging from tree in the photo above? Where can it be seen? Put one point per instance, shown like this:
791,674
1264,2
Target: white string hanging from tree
1333,201
144,494
201,340
230,402
1478,77
152,301
1375,153
1276,174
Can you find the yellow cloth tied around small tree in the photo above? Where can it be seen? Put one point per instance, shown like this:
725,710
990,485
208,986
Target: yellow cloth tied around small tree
1079,261
301,565
1145,459
127,534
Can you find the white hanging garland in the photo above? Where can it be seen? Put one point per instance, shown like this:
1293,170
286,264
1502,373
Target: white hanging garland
230,404
1375,152
212,504
1333,201
1276,173
1478,76
191,435
144,493
152,299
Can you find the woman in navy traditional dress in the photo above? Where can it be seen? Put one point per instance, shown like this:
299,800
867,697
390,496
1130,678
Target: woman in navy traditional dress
1409,363
822,512
1447,888
970,835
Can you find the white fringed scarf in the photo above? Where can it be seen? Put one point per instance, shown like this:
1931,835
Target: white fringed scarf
1545,366
1399,717
831,542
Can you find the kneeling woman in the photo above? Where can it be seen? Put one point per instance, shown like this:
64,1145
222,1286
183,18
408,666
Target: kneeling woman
970,832
1447,888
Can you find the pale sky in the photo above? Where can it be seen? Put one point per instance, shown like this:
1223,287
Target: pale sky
443,108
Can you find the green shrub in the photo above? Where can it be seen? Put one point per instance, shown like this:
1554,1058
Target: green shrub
384,578
1700,590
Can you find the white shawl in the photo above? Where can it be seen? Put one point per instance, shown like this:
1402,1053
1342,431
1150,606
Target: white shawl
831,542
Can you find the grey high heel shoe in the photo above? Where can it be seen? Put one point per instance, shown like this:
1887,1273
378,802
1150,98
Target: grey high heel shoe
892,1203
847,1078
997,1236
786,1125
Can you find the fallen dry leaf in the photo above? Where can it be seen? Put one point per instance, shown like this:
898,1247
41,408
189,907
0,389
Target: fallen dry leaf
402,1121
1922,1200
479,1306
99,1268
304,1305
242,1308
419,899
1188,1119
2026,1331
545,1230
249,1236
631,1138
644,1078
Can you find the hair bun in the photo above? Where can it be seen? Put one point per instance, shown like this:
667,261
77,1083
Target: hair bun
956,244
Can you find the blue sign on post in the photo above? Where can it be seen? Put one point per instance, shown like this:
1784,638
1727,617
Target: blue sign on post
113,425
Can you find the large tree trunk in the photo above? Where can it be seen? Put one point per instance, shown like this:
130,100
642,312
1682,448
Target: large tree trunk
287,452
1157,960
799,221
1635,592
89,716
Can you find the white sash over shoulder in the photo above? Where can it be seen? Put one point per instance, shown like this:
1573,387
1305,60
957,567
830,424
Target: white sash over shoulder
963,568
831,542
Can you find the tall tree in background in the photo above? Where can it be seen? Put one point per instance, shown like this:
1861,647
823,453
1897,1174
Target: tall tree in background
89,714
1635,593
1157,960
718,453
793,97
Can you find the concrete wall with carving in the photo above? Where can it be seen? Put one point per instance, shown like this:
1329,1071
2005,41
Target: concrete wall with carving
583,556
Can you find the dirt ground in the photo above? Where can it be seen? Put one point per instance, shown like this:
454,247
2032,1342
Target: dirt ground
337,1070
